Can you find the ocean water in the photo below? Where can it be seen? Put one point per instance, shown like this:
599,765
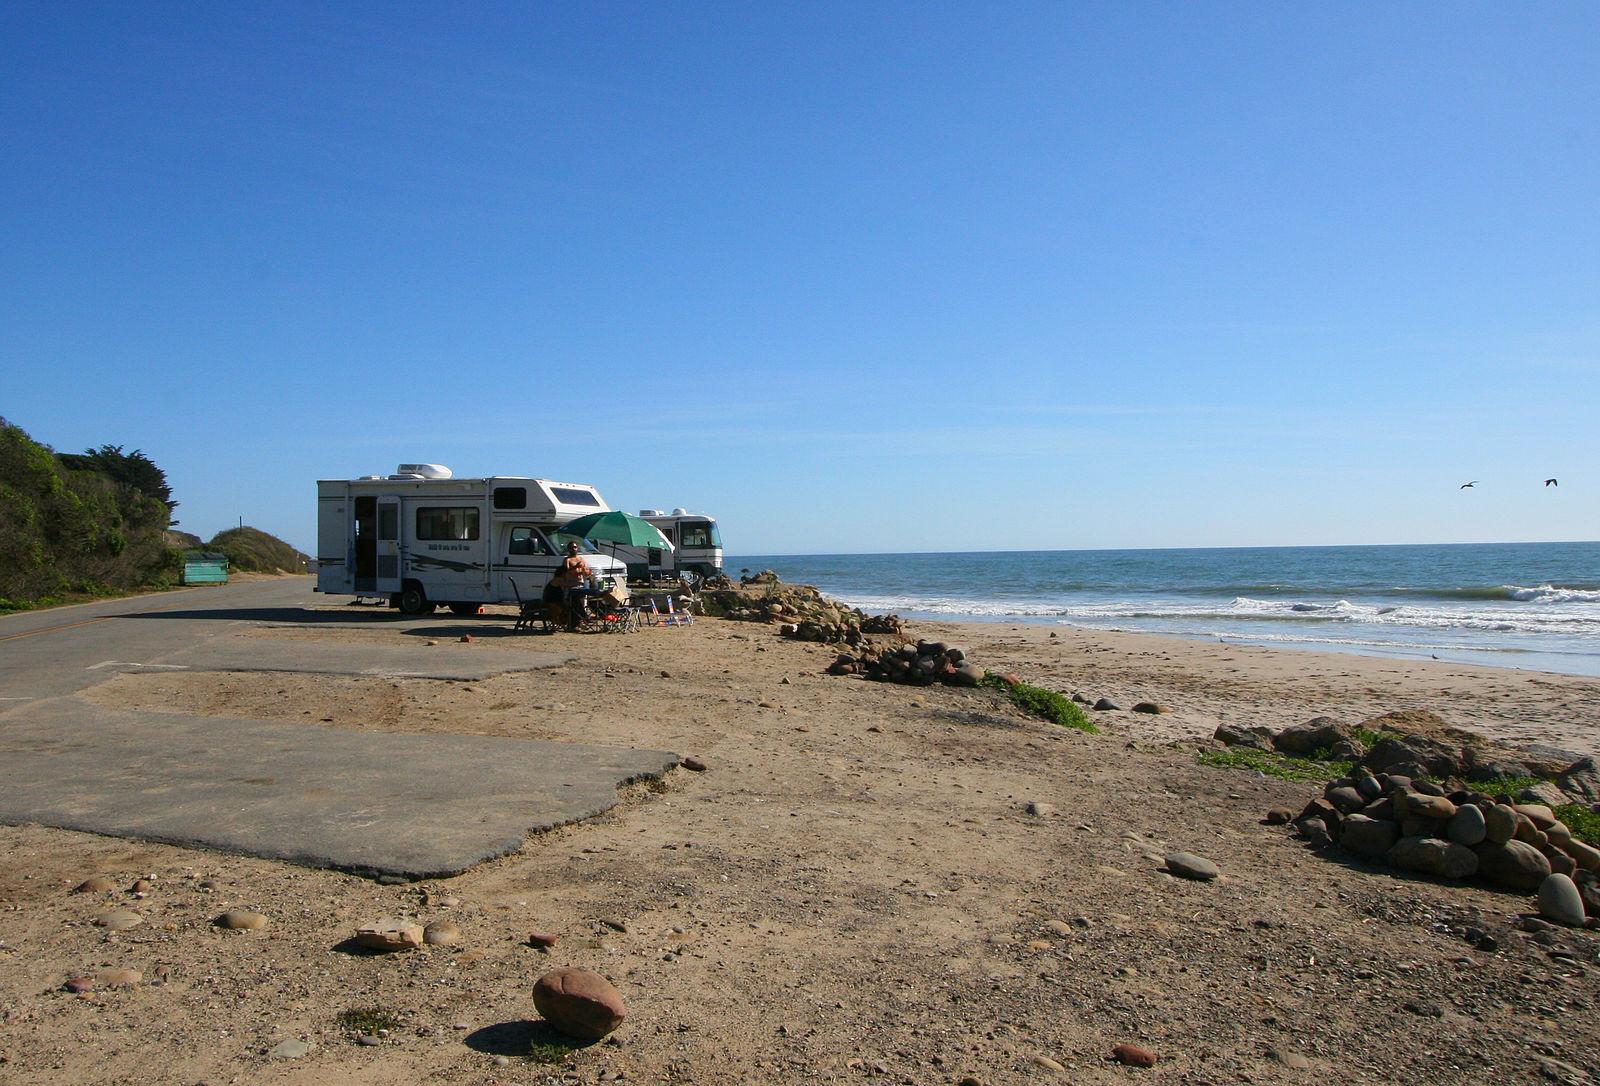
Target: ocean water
1522,605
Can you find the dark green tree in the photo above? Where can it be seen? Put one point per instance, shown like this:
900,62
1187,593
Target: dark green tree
135,470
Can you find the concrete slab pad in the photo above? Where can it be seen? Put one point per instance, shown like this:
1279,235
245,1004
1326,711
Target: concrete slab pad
377,803
453,660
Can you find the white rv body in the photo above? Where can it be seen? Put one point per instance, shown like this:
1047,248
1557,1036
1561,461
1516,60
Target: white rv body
696,542
423,538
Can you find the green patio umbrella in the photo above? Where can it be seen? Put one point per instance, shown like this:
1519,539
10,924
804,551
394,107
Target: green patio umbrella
617,528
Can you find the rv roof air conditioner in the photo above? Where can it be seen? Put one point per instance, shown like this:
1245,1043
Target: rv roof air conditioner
680,512
650,512
421,471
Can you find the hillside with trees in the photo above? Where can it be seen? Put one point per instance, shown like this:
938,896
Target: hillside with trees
99,523
88,523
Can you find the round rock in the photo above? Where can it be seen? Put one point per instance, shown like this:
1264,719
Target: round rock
241,920
442,933
118,978
1467,826
1432,856
1559,901
1513,864
579,1003
118,920
99,884
1187,865
1369,837
1134,1056
1500,824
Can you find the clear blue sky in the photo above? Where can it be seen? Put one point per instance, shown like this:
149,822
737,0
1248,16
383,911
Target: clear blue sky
852,276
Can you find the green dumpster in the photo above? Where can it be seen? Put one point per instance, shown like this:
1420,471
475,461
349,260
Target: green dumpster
205,567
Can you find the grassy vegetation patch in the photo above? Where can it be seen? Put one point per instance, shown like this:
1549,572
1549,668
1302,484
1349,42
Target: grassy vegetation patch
1281,766
1042,703
368,1019
549,1051
1504,789
1584,823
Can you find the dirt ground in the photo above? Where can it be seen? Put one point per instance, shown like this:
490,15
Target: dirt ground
853,889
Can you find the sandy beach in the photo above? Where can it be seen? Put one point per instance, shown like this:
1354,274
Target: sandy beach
853,890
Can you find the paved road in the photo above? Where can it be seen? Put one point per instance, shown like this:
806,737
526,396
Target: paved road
45,654
419,806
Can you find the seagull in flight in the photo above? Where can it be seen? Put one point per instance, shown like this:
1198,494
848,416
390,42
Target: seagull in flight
1551,482
1464,486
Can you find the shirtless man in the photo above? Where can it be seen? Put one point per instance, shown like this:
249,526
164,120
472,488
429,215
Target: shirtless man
571,578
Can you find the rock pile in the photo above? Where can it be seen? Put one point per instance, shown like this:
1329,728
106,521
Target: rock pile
922,664
1416,826
799,611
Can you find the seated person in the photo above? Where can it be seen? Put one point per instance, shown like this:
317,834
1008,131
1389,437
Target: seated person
572,579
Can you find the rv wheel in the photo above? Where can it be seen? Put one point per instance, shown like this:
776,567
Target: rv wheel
414,601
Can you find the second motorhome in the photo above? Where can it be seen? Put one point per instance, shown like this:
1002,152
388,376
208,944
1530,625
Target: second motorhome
424,539
696,542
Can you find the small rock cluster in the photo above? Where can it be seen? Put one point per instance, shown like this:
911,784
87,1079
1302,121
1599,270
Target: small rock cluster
921,664
1415,826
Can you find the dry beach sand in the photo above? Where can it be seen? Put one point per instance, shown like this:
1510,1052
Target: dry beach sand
853,890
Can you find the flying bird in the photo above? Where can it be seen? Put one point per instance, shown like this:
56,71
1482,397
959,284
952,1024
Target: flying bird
1551,482
1464,486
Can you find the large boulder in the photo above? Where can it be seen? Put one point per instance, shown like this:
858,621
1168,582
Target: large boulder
1560,901
1317,734
1432,856
579,1003
1414,756
1369,837
1235,736
1581,779
1514,865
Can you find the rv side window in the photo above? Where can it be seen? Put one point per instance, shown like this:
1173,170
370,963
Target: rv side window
528,541
460,523
511,497
571,495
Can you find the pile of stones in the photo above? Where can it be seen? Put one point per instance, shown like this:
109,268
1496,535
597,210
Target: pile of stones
921,664
799,611
1415,825
1416,801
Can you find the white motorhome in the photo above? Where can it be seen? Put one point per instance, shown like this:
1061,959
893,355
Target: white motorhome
696,542
423,538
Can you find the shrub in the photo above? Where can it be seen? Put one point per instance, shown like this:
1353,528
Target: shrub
1042,703
1281,766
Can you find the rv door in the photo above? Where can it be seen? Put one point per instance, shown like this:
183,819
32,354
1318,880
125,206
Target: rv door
388,534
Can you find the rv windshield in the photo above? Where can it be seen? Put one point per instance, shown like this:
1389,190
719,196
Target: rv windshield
699,533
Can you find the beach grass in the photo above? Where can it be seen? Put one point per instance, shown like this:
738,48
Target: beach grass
1042,703
1281,766
1583,822
369,1019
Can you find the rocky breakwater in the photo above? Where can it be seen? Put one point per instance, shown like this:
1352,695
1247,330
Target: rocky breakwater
799,611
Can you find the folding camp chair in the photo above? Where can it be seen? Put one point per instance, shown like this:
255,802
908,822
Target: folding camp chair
670,617
530,611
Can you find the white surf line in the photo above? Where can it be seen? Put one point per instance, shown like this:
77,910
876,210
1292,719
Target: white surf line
123,663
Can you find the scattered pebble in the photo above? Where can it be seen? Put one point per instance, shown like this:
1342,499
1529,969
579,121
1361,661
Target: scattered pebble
693,763
99,884
241,920
289,1050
